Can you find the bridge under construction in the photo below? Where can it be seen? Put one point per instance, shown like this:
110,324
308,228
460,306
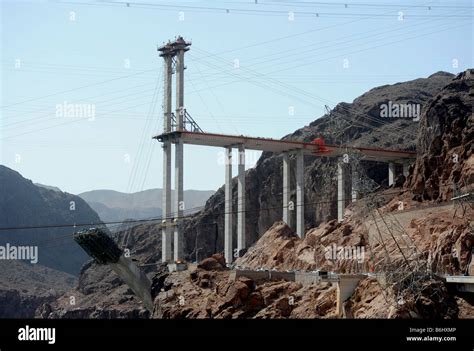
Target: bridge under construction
179,128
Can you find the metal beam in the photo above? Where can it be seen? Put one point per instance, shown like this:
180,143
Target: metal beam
228,207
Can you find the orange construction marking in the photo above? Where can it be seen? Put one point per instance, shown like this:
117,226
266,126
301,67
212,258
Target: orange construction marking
321,145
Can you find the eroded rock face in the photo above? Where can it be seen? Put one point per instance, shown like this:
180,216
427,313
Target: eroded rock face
214,263
445,142
25,287
14,304
273,250
432,301
281,249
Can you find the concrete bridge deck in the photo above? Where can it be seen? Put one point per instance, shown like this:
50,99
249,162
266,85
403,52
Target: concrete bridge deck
277,145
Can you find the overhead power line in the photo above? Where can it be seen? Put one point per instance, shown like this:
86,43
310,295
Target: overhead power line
244,11
72,225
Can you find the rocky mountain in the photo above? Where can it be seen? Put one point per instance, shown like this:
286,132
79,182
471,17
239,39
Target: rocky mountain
23,204
446,142
116,206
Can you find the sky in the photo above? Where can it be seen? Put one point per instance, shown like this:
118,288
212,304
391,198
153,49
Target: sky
81,81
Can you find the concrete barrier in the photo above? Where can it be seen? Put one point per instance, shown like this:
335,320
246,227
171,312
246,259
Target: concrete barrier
254,275
462,283
288,276
307,278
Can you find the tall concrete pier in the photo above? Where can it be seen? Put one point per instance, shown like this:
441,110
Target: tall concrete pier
172,220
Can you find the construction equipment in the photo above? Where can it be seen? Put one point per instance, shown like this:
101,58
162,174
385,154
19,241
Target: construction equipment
100,246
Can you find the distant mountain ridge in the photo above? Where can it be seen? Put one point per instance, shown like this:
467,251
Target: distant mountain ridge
24,204
113,205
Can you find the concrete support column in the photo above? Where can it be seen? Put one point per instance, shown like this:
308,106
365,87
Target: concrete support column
180,89
179,201
391,173
287,214
228,207
166,236
355,185
345,289
167,95
135,278
300,194
166,230
405,169
341,189
241,201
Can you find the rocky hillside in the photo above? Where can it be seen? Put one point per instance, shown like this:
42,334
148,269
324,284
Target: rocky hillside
446,142
25,287
208,292
204,293
23,204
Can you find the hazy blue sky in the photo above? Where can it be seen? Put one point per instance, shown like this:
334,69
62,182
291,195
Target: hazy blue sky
261,73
